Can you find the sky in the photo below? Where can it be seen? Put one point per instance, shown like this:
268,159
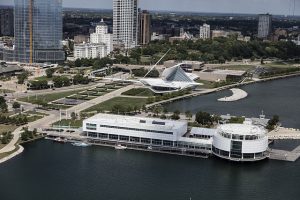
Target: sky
283,7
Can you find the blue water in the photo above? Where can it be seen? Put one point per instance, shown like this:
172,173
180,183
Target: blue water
52,171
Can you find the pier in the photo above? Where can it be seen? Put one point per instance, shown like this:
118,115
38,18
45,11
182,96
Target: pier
237,94
291,156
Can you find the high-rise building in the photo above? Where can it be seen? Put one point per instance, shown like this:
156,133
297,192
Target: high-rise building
101,35
38,31
125,20
205,31
264,25
6,22
144,27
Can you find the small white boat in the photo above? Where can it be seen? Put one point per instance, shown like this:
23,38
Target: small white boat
149,148
120,147
60,140
80,144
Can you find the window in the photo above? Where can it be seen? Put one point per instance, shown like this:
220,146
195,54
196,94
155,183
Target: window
137,129
145,140
113,137
124,138
167,143
103,135
91,126
134,139
156,142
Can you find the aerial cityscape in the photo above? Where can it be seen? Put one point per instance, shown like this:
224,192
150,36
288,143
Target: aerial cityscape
153,99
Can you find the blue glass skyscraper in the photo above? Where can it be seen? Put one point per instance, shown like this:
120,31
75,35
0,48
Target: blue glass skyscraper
38,31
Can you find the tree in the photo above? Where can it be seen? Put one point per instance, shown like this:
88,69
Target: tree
50,72
73,116
204,118
16,105
22,77
188,114
273,122
3,105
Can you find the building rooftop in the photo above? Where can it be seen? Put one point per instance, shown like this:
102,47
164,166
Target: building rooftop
225,72
122,120
241,129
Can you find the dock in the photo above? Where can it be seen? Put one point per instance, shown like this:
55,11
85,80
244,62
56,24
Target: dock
281,133
290,156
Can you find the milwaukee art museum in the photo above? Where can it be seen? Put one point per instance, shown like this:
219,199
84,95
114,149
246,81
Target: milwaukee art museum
172,79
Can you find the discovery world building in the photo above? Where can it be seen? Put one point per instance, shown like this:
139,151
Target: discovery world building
236,142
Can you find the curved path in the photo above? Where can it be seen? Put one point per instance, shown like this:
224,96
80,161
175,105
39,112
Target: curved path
237,95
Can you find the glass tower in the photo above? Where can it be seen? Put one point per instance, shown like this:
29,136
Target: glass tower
38,31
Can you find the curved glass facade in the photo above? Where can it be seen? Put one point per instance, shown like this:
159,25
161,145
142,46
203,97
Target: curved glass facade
38,31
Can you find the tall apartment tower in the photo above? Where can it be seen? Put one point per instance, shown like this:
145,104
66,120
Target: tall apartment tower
205,31
6,22
144,36
264,26
125,20
38,31
101,35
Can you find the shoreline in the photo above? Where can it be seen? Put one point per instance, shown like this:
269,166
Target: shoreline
209,91
12,155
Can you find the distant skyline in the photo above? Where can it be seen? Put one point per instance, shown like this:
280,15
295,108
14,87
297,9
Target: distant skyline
282,7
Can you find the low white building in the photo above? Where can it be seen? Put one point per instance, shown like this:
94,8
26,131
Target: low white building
240,142
90,51
101,36
140,132
236,142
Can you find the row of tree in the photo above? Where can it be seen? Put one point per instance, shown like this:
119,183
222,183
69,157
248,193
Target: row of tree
28,135
15,120
3,105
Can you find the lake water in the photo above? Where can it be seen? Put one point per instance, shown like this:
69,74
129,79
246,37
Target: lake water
52,171
280,97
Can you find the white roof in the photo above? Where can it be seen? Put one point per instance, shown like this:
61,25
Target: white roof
241,129
226,72
195,140
131,121
171,84
203,131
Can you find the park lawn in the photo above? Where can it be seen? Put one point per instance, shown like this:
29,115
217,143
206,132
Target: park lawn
206,84
144,92
6,91
69,122
48,97
237,67
7,128
42,78
125,101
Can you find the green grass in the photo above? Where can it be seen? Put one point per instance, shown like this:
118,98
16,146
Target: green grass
206,84
7,128
144,92
69,122
237,67
6,91
42,78
48,97
3,155
107,105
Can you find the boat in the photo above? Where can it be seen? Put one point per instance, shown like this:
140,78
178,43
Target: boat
120,147
60,140
80,144
149,148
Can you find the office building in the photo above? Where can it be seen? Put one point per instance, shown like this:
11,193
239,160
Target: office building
204,32
90,50
144,36
38,31
125,20
264,26
6,22
101,36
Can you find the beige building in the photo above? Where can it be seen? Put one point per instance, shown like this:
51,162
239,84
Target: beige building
144,34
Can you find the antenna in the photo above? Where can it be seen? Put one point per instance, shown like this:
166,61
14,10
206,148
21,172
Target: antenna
157,63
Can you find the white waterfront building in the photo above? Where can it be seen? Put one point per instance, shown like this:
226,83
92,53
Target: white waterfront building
88,50
205,31
240,142
101,36
125,23
141,132
237,142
